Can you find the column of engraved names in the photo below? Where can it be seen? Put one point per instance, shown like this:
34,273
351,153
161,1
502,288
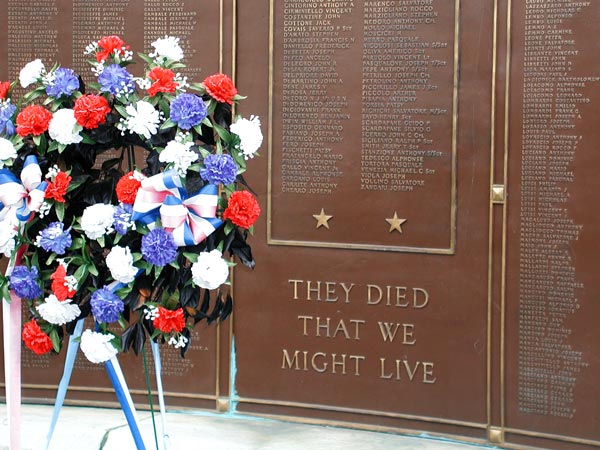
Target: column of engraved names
91,22
172,18
548,365
313,104
32,33
398,115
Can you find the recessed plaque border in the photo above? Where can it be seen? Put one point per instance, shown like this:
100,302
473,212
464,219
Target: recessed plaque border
451,249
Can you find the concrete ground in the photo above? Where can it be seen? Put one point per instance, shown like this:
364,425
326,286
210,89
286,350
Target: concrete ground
106,429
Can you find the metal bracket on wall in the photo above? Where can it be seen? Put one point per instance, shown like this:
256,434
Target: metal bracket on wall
498,194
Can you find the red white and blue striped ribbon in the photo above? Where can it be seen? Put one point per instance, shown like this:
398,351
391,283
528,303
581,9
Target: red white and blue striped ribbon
189,219
27,195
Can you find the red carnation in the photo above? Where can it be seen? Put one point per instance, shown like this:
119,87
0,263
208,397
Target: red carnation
58,286
35,339
58,188
243,209
127,188
163,81
109,44
34,120
220,87
91,110
4,89
168,320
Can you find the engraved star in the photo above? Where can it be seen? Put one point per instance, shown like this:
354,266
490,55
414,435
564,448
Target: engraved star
322,219
395,223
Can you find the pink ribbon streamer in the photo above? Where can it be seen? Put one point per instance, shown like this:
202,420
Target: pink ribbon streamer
11,318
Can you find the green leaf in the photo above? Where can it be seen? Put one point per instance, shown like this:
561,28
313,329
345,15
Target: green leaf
5,292
87,139
146,58
93,270
81,274
55,340
122,322
212,105
101,241
121,110
167,124
77,243
222,132
191,257
51,259
156,333
37,140
60,210
228,227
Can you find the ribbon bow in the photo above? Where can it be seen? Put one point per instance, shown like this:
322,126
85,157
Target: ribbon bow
25,196
189,219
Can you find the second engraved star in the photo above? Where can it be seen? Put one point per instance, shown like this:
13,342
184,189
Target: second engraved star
322,219
395,223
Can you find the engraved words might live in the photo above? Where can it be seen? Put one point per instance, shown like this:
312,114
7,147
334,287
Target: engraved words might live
391,333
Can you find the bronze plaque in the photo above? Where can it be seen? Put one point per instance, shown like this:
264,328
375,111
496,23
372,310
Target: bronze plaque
552,333
59,31
363,118
369,300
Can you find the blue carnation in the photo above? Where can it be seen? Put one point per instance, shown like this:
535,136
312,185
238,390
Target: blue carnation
64,83
159,247
55,238
188,110
116,80
25,282
106,305
7,127
219,169
122,218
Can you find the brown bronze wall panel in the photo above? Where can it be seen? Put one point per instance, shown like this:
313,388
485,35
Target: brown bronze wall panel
363,107
59,30
314,326
552,288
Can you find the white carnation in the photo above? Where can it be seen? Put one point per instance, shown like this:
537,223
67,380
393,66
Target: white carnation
64,127
168,47
180,155
210,271
8,230
250,135
57,312
7,151
97,347
120,264
142,120
31,73
97,220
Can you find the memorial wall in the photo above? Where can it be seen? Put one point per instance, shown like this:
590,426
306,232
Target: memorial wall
426,252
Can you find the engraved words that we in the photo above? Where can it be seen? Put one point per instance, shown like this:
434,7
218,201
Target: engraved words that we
397,334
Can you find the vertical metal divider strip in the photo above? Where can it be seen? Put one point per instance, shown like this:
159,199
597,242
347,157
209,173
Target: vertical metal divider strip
231,380
491,215
270,120
504,221
455,81
218,324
